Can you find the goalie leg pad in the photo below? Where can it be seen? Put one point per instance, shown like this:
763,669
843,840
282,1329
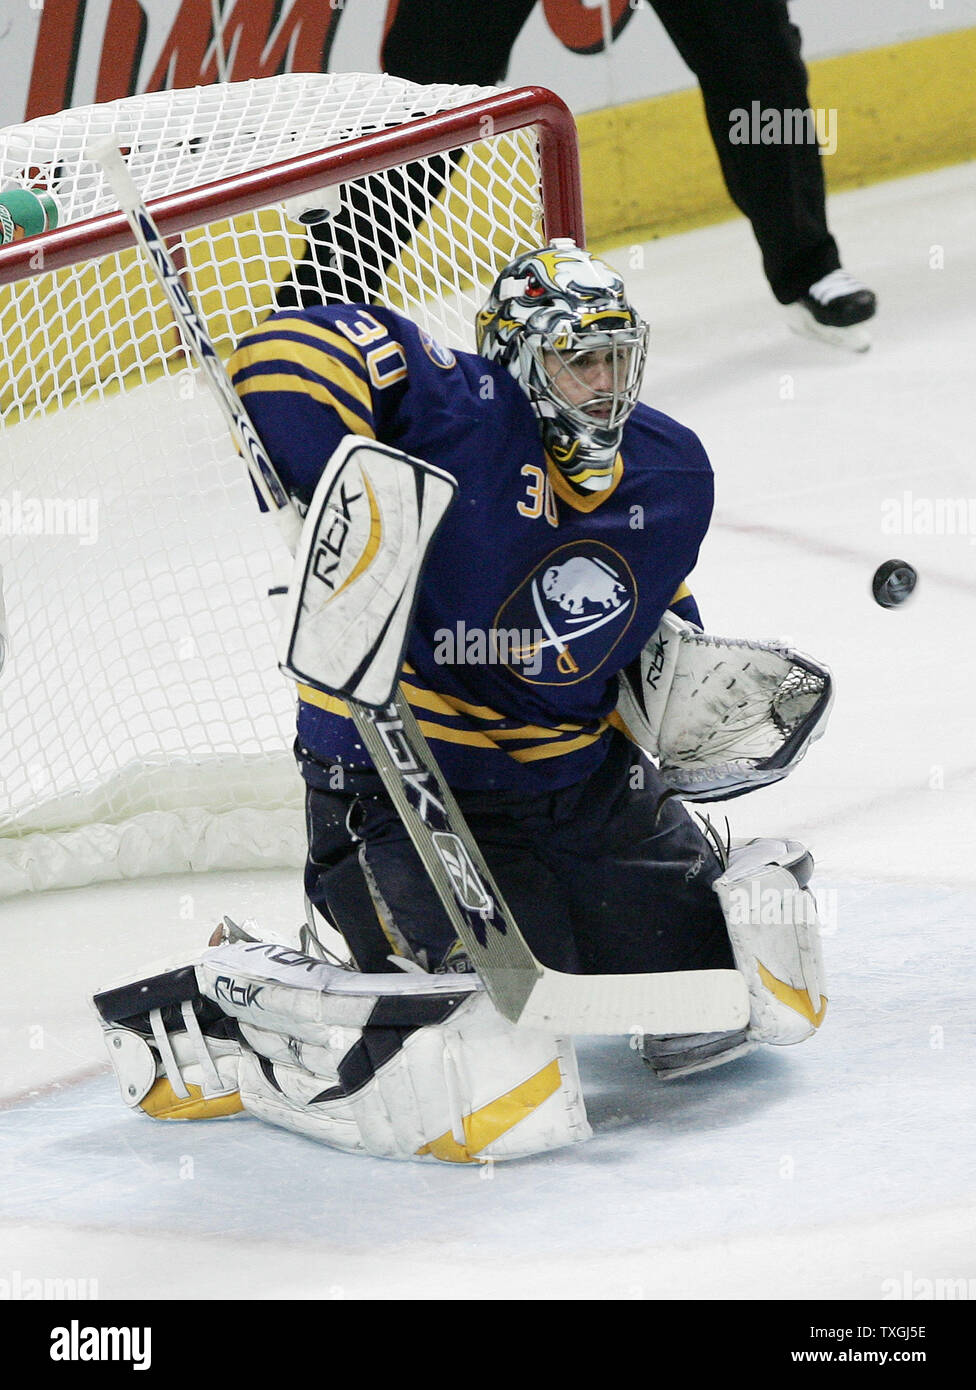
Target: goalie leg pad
772,922
407,1066
174,1055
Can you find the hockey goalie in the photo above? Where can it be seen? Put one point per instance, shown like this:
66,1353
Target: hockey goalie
506,536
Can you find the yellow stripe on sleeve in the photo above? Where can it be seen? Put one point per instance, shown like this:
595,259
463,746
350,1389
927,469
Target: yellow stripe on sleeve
296,385
321,363
318,332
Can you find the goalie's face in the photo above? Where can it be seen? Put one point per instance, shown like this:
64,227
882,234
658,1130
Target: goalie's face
559,321
598,383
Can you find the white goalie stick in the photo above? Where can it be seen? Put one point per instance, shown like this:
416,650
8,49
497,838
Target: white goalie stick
521,988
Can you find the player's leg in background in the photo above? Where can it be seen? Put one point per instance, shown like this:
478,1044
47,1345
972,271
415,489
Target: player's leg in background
430,41
532,892
367,881
745,51
640,875
453,40
336,891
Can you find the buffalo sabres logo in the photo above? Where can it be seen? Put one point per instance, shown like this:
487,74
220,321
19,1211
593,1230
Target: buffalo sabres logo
441,356
578,602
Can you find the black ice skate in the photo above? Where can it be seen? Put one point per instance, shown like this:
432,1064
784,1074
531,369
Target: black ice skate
832,311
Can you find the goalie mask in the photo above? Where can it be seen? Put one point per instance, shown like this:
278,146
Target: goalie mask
559,321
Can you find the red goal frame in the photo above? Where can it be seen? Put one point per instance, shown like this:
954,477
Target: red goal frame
559,168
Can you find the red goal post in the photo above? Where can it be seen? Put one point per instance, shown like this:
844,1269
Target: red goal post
424,136
145,725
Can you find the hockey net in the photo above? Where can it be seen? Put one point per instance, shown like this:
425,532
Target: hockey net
144,725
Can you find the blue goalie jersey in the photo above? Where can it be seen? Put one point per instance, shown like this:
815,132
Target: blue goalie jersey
533,596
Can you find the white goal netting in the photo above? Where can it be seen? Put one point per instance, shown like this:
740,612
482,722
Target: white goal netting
144,725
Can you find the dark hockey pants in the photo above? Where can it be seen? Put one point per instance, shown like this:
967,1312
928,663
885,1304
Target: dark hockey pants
602,877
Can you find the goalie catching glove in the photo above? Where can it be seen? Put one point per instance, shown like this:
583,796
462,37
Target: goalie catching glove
721,716
397,1066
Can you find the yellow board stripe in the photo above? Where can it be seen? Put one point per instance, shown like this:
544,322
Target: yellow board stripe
682,591
797,999
637,188
484,1126
296,386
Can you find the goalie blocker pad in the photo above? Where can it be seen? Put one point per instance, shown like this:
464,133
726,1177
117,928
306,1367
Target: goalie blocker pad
721,716
409,1066
372,516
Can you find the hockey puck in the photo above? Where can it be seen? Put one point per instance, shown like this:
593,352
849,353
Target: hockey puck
893,583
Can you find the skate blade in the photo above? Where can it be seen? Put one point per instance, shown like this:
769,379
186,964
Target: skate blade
801,321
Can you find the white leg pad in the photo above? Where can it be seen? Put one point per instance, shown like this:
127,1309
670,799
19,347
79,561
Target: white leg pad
775,933
172,1075
470,1089
407,1066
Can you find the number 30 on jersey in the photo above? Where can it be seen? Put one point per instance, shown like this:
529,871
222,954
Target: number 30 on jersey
541,501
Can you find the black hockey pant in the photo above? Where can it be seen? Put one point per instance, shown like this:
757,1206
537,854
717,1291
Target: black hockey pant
602,877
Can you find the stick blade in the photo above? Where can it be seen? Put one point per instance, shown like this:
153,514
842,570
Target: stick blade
675,1002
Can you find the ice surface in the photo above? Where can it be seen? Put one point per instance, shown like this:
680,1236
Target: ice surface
838,1169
